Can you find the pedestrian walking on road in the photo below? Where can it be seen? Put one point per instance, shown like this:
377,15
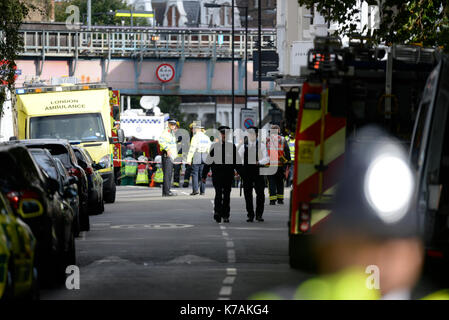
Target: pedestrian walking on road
254,155
167,142
198,152
279,153
223,159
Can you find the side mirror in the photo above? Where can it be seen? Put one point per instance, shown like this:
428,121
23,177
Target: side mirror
70,193
72,180
53,185
30,208
121,135
97,166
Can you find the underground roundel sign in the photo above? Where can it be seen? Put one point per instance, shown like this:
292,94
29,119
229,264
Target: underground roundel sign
165,72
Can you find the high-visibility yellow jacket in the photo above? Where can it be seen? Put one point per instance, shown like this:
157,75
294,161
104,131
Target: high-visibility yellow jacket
199,148
142,174
158,176
167,141
291,145
349,284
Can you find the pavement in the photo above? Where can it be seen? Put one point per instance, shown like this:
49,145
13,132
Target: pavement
145,246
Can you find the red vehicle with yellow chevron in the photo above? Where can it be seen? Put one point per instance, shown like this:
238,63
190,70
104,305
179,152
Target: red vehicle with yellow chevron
344,90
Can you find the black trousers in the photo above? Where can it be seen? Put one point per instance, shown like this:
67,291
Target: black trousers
256,182
276,184
177,172
187,173
167,168
222,200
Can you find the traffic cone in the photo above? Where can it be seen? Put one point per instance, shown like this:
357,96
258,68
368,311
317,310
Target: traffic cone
152,184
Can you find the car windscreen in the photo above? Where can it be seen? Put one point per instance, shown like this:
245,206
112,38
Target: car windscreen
86,127
45,163
57,151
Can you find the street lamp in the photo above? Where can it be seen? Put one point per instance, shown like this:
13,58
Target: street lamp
214,5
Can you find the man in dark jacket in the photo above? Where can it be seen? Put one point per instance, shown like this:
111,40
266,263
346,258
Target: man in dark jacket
223,159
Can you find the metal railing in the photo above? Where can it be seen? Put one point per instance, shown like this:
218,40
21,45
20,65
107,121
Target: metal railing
143,42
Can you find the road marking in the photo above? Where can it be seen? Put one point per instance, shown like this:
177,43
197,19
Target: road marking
226,291
231,256
257,228
225,234
222,227
184,193
231,271
229,280
230,244
153,226
221,298
101,224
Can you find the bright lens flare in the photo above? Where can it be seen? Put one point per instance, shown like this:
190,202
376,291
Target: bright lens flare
389,187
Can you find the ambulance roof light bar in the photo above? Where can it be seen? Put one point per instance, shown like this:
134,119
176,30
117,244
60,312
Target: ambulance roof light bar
61,88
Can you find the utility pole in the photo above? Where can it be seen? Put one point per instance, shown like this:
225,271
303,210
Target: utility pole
89,14
233,60
259,76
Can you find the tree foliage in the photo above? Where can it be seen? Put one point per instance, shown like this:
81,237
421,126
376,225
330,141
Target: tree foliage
415,21
12,13
170,105
99,10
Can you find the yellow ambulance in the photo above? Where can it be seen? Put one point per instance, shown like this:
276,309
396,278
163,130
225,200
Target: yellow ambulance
80,113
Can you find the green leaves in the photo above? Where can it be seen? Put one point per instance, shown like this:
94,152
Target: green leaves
415,21
12,13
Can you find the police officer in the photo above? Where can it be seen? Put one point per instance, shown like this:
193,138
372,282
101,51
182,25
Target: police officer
370,247
142,171
130,169
167,142
188,171
178,160
223,159
279,153
198,152
254,155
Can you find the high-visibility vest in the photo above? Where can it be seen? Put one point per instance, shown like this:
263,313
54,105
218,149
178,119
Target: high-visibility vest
142,174
200,143
167,142
130,168
158,176
275,148
291,145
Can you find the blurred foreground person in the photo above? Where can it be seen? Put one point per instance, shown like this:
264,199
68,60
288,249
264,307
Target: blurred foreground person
370,247
223,159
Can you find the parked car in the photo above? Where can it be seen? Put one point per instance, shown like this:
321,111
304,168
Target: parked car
18,271
94,179
34,196
47,163
62,150
70,183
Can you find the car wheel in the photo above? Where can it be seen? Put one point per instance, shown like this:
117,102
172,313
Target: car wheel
34,293
8,294
71,254
84,219
110,196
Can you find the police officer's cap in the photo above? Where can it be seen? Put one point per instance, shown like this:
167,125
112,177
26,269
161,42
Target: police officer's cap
374,196
223,129
171,121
